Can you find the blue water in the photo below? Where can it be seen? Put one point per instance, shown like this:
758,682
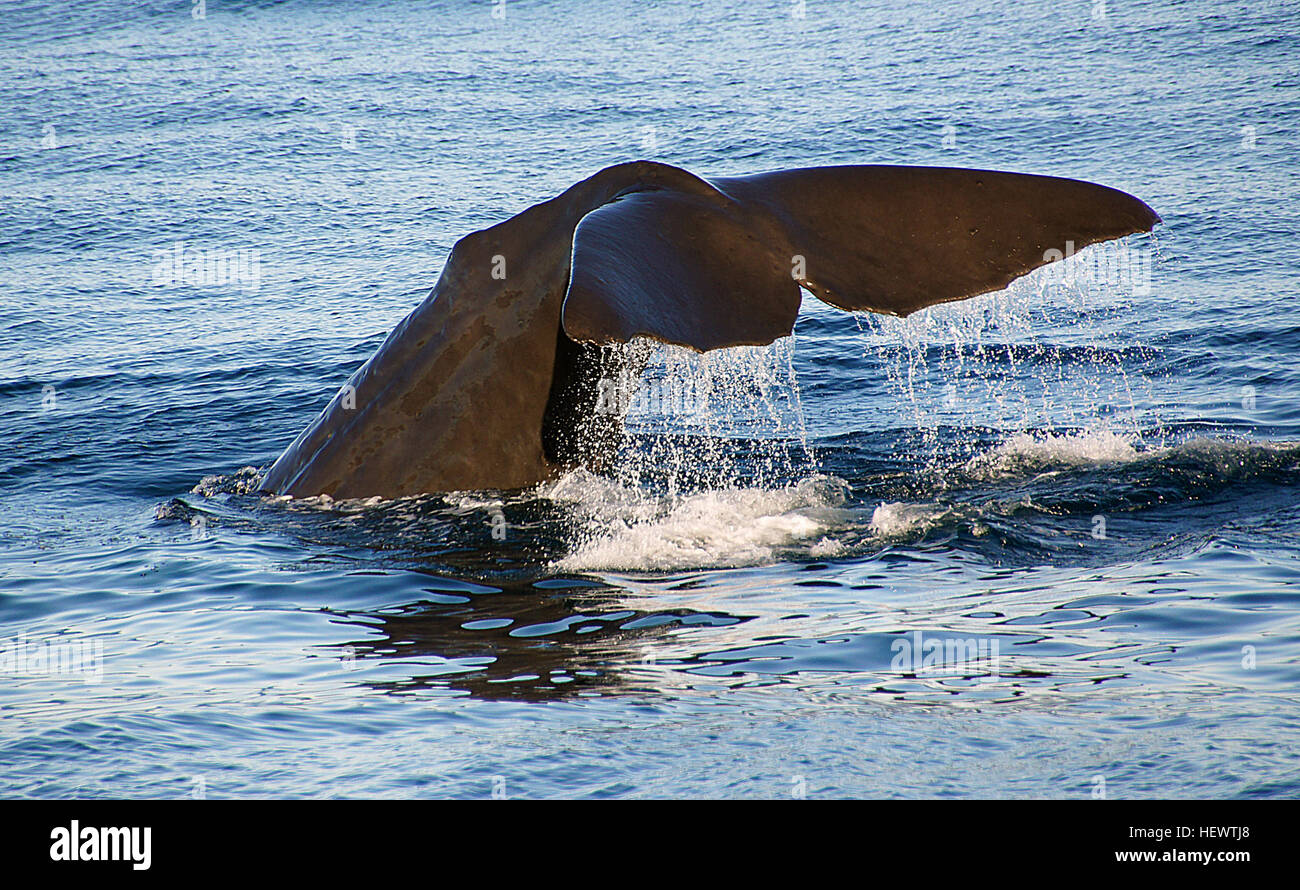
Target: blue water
1100,477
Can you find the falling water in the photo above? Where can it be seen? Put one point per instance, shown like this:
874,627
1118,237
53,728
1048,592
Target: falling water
716,420
716,468
986,363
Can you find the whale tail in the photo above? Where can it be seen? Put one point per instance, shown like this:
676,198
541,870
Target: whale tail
723,267
494,380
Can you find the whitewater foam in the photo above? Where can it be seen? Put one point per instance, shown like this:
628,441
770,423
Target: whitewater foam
243,481
897,520
1024,454
631,530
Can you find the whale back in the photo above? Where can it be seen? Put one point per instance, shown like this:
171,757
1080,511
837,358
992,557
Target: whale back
456,396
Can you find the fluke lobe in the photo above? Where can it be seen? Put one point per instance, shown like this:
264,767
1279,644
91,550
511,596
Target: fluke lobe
492,382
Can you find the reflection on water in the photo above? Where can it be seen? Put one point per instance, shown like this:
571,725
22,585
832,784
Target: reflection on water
546,640
884,586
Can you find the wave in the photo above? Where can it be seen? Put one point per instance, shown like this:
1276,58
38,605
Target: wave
628,529
1052,479
1038,491
1027,454
899,520
1024,453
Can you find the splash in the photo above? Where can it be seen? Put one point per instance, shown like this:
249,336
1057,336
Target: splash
629,529
1055,350
715,420
704,478
243,481
902,521
1025,453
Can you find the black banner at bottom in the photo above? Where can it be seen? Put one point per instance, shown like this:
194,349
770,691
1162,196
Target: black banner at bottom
367,839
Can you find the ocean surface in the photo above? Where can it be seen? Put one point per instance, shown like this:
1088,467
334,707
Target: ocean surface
1044,543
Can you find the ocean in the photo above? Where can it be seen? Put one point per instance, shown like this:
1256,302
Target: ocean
1043,543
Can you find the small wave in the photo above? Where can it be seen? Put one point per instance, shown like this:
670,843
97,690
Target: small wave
584,522
897,520
630,530
242,481
469,500
1024,454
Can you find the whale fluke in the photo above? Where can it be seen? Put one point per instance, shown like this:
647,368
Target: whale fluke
723,267
492,381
